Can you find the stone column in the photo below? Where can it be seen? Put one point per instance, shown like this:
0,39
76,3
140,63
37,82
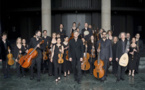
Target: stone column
46,15
106,14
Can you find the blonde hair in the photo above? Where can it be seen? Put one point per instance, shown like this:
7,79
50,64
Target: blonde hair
18,39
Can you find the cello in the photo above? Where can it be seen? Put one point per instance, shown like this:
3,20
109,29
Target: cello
99,71
26,61
85,65
10,58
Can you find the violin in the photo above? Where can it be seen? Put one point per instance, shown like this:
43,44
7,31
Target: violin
99,71
93,52
67,55
45,53
26,61
85,65
10,58
60,57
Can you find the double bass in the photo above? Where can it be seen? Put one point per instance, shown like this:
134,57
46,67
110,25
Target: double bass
85,65
26,61
10,58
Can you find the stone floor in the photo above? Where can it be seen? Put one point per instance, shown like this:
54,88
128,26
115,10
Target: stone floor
68,83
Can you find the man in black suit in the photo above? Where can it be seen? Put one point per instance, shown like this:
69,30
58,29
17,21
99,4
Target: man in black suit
35,41
86,32
140,48
120,50
62,32
105,52
76,55
4,44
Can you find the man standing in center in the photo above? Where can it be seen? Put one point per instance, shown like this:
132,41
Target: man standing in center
76,55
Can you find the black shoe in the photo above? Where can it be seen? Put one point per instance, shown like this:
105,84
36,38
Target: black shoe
79,82
38,80
31,78
117,80
122,79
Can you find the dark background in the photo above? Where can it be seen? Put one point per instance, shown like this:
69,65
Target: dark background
23,17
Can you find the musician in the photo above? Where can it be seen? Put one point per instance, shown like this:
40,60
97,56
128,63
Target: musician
33,43
132,57
47,40
80,36
90,26
128,37
86,32
120,50
18,51
140,49
24,45
66,64
58,48
100,33
4,44
92,51
105,52
109,35
114,62
62,32
76,55
73,27
51,65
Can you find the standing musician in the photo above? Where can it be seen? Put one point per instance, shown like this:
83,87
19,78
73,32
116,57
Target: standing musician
105,52
4,44
140,50
62,32
66,64
58,48
109,35
35,42
86,32
76,55
18,51
73,27
100,33
51,65
24,45
47,40
114,62
120,50
92,52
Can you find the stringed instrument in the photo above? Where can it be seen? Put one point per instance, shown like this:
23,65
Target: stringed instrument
45,54
10,58
26,61
60,57
93,52
85,65
67,55
124,59
99,71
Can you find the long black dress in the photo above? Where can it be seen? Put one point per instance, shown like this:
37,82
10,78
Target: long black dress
114,62
66,64
57,66
132,59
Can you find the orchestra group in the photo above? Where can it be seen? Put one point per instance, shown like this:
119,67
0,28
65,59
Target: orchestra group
86,51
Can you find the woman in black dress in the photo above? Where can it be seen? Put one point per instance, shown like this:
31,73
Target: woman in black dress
18,50
67,63
53,43
132,57
114,62
24,45
57,49
92,52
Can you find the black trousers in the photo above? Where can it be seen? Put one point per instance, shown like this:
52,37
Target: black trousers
51,68
76,65
105,68
66,65
114,66
121,72
5,68
36,61
57,69
91,65
19,69
137,63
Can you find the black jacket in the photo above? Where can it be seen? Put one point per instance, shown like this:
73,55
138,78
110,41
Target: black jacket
88,36
76,49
